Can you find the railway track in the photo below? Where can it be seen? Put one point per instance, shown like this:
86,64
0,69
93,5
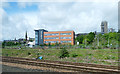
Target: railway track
79,67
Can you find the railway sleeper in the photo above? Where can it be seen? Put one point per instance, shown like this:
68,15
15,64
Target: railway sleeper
70,67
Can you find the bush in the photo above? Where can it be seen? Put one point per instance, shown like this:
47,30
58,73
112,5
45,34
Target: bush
74,55
29,53
113,58
99,47
38,54
113,47
64,53
89,54
95,61
48,54
93,48
6,54
12,53
107,57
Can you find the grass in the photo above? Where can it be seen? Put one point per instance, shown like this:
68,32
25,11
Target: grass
97,56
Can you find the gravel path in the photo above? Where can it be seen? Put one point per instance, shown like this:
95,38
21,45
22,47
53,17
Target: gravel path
13,67
6,68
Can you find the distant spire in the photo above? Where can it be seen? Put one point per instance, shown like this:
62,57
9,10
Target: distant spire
15,38
26,36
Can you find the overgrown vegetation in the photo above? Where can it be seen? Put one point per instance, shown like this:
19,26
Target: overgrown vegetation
64,53
99,56
107,40
74,55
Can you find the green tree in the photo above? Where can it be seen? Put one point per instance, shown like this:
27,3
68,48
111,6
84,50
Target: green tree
3,44
80,39
31,40
90,37
118,31
56,44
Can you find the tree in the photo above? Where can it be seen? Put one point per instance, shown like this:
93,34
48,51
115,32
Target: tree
31,40
3,44
118,31
80,39
56,44
90,37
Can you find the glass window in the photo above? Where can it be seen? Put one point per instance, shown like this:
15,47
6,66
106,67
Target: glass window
52,34
65,33
36,42
65,37
51,41
36,39
65,41
52,38
36,35
36,32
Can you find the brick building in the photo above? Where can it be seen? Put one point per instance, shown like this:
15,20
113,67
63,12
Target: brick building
44,37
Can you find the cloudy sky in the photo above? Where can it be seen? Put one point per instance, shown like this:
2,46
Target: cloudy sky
82,17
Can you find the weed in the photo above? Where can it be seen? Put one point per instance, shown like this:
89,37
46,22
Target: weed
74,55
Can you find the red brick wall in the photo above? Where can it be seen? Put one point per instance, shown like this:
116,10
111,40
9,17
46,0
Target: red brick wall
72,36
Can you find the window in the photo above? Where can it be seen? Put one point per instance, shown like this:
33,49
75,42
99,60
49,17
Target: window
52,38
51,41
52,34
65,41
36,42
65,33
65,37
36,39
36,32
36,36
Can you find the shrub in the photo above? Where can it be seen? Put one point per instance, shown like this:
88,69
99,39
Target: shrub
93,48
12,53
38,53
113,57
95,61
6,54
17,54
107,57
89,54
80,55
113,47
74,55
103,61
48,54
99,47
64,53
83,47
29,53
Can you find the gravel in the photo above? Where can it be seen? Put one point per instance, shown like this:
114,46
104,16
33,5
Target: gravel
6,68
14,67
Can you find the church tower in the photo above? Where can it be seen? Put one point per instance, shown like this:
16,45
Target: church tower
26,36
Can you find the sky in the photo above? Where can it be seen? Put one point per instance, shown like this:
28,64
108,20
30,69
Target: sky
82,17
